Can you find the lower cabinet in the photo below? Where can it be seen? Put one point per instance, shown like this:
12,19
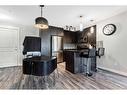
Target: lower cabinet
68,57
73,62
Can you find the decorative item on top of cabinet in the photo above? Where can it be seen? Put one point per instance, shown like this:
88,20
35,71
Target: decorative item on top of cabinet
69,28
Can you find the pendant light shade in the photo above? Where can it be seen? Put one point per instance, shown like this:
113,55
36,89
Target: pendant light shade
81,24
41,22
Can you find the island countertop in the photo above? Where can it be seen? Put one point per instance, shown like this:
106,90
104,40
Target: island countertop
76,50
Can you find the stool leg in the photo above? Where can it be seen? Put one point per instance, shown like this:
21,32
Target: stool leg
89,67
86,60
81,65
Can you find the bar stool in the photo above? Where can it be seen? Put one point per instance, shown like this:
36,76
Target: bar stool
87,64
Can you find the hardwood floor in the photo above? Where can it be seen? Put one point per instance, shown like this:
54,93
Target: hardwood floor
12,78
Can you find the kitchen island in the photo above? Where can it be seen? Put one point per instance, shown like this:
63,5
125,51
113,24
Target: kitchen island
74,63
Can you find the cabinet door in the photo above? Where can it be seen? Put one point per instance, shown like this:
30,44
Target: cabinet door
73,37
79,37
69,37
69,59
60,33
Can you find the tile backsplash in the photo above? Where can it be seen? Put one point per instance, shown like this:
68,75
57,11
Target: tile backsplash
70,46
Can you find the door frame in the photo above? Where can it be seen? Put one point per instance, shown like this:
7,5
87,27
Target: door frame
18,43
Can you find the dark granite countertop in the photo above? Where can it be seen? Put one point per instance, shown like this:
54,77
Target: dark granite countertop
76,50
40,59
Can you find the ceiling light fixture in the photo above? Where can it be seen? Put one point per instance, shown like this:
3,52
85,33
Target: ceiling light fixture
41,22
81,24
91,28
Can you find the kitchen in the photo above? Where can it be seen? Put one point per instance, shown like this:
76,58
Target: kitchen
65,55
57,41
72,41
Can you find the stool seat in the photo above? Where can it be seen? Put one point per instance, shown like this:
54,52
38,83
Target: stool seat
82,54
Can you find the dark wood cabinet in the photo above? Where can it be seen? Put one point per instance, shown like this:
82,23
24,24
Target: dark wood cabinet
79,37
70,37
86,36
46,38
82,37
60,33
72,61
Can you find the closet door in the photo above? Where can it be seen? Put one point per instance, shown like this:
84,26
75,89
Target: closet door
9,41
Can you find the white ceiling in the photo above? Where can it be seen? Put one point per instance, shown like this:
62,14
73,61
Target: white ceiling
59,15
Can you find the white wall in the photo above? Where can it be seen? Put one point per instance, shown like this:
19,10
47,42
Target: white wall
115,58
26,31
23,31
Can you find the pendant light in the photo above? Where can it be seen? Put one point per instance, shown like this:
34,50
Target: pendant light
81,24
41,22
92,28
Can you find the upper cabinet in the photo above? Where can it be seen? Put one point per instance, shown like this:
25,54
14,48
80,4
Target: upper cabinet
56,31
79,37
70,37
46,38
88,35
82,37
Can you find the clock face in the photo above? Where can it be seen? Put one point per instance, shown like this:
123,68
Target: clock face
109,29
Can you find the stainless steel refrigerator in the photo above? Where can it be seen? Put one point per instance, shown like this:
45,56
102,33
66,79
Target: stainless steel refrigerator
57,47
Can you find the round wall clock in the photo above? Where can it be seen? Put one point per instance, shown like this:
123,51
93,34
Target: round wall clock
109,29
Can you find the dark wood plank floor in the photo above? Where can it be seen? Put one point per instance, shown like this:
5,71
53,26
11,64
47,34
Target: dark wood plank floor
12,78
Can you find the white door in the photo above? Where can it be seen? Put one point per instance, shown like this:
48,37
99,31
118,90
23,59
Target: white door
9,46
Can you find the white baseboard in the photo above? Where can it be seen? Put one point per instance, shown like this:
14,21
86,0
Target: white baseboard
115,71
